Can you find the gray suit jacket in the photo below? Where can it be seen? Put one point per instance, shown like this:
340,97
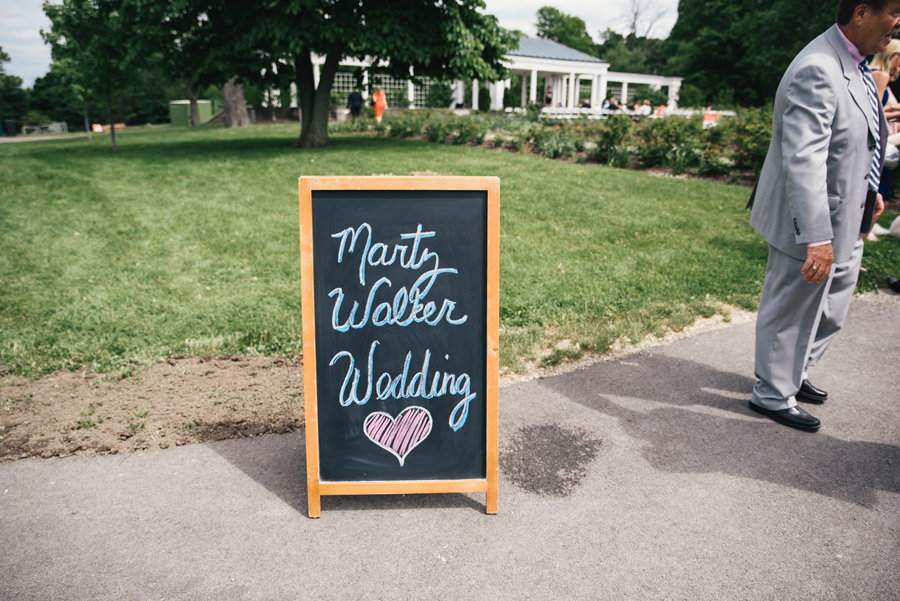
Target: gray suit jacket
814,181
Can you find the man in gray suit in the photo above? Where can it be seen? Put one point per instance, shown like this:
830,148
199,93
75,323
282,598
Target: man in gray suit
817,188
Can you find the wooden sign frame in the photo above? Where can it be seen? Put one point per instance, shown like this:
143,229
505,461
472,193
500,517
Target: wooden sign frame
489,484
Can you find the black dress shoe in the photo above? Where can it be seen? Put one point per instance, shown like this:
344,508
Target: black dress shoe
795,417
811,394
894,284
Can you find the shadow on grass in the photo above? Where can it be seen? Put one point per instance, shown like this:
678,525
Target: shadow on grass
181,146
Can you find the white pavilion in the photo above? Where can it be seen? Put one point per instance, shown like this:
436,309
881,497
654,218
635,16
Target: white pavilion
573,76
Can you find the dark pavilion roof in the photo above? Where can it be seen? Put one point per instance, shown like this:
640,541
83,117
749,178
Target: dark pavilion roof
553,50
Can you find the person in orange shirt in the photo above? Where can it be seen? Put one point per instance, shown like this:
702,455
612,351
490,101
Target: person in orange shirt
380,103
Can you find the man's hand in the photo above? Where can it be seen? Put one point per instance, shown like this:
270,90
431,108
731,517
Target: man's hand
879,209
818,263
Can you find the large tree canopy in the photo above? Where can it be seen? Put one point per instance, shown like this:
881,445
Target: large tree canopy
444,39
742,45
631,53
107,42
100,42
199,43
735,49
13,99
553,24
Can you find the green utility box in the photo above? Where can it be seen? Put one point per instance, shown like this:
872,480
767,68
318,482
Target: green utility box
180,112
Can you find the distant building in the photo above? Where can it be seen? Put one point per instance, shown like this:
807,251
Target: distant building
573,76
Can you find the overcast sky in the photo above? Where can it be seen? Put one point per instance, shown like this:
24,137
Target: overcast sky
22,20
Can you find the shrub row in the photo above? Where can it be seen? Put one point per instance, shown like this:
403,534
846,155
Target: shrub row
736,143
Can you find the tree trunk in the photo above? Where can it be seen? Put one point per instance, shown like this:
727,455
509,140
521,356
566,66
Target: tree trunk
236,114
87,123
195,110
314,101
112,119
306,90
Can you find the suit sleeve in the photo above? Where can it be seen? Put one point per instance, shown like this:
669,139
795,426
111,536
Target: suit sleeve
807,121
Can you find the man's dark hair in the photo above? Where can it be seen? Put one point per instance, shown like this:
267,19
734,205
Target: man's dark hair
846,8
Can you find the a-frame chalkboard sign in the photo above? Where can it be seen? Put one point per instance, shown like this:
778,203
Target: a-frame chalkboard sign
400,335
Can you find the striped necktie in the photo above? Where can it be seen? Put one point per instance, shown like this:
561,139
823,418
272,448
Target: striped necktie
875,171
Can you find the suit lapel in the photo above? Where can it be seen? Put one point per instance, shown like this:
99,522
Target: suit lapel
855,85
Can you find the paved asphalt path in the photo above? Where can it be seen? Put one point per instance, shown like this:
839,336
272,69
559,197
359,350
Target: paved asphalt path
641,478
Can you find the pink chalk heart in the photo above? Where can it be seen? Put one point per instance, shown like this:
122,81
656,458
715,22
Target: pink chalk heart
401,435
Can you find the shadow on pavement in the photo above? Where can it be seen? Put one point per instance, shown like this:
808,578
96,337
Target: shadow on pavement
681,408
278,463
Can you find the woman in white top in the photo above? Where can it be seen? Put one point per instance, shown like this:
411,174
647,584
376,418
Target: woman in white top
885,69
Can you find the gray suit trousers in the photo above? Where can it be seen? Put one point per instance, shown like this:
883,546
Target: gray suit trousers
797,322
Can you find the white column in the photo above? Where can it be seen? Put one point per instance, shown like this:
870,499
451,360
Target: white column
573,90
524,90
673,93
497,88
595,84
459,97
601,91
365,84
293,95
474,94
532,92
411,93
624,92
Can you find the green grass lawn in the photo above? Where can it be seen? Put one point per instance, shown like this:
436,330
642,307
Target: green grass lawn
186,241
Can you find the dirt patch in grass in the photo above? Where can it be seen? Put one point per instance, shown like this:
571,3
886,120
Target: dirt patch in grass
187,400
179,401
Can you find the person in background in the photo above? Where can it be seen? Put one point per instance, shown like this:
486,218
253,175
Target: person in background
885,69
354,103
888,65
548,97
645,109
380,102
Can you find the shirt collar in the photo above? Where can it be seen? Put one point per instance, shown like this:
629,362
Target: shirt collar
858,56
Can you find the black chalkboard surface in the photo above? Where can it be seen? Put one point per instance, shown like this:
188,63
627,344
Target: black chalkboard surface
403,294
